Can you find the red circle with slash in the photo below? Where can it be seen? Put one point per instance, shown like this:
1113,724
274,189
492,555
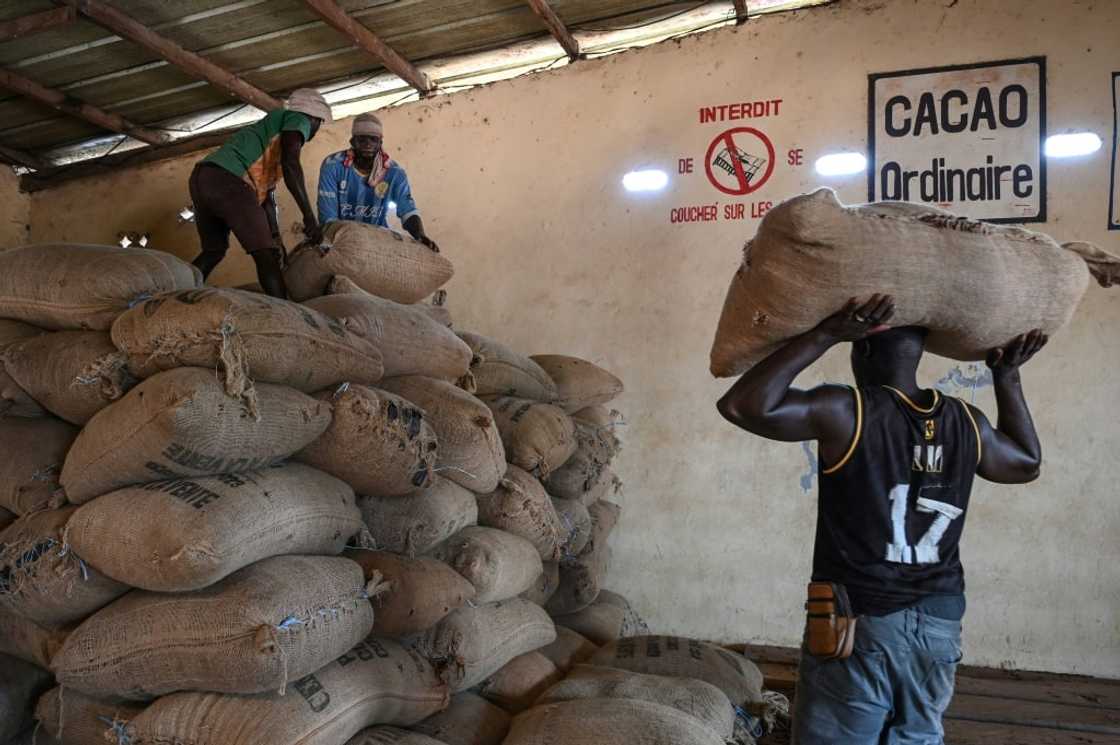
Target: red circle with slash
731,165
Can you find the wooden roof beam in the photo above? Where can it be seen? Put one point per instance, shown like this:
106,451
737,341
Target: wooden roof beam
36,22
61,102
556,27
194,65
21,158
370,42
740,12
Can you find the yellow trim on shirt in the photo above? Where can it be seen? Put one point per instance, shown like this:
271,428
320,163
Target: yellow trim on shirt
976,429
914,406
855,439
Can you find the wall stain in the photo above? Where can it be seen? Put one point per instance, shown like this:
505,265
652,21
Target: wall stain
974,376
807,477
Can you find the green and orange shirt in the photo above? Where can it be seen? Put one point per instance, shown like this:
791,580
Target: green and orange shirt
253,153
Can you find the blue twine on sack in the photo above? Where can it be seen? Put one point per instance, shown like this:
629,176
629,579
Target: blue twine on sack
117,729
289,622
139,299
752,723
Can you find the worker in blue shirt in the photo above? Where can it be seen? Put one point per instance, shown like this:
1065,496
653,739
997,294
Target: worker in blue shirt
359,183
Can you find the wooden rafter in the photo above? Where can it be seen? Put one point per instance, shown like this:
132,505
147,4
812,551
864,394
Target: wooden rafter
61,102
36,22
21,158
194,65
740,11
366,40
556,27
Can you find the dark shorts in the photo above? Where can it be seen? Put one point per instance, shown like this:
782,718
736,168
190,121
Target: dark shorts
223,202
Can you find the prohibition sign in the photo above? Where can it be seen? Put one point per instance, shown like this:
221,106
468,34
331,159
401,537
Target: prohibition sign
738,173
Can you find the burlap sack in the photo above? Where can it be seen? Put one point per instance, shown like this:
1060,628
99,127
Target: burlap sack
380,261
579,383
569,649
470,446
382,735
6,518
474,642
74,286
416,592
587,468
21,683
43,578
693,697
72,374
581,578
544,585
14,401
78,719
608,485
186,534
575,523
632,624
608,722
435,307
376,682
602,418
500,371
181,424
973,284
521,506
418,522
520,681
732,673
601,623
537,437
500,565
259,629
247,337
410,341
33,454
20,637
377,442
469,720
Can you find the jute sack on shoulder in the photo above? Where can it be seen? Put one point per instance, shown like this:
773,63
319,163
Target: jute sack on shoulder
14,401
382,735
545,585
410,341
569,649
500,371
579,383
377,682
21,683
34,450
974,285
186,534
470,446
421,520
23,638
259,629
500,565
380,261
693,697
469,720
521,506
735,675
472,643
575,523
78,719
377,442
72,374
43,578
581,578
520,681
608,722
417,593
537,437
181,424
248,337
76,286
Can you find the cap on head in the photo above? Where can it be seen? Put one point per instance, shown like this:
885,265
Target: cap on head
367,124
311,102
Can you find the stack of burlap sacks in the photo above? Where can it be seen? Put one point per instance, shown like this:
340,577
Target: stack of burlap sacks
229,519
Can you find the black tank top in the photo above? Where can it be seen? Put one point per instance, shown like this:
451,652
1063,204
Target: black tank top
891,512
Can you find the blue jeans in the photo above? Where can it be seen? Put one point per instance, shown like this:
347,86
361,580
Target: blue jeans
891,691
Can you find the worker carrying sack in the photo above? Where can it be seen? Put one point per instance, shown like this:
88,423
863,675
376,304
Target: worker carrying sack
974,285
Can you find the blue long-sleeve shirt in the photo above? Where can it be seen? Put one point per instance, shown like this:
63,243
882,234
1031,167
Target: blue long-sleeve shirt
345,194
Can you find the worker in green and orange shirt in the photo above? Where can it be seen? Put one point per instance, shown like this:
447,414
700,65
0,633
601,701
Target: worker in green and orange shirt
234,188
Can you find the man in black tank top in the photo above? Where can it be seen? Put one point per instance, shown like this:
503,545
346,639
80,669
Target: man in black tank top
896,470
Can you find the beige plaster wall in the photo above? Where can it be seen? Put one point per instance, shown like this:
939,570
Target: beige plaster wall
520,183
15,210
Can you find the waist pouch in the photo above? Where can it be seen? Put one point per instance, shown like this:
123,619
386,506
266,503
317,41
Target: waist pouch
830,624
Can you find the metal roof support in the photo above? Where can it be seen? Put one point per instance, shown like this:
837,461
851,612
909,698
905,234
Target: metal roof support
36,22
194,65
61,102
740,12
557,27
370,42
